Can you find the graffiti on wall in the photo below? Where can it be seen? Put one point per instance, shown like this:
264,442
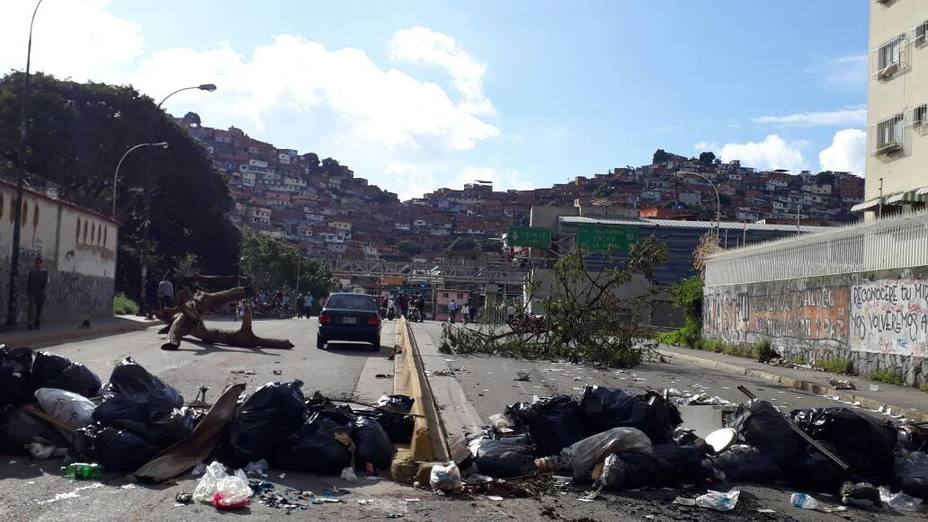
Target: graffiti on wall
890,317
816,314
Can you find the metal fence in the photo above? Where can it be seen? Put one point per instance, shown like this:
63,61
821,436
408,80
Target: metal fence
891,243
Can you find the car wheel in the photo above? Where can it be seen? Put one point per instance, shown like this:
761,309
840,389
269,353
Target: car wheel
375,344
320,343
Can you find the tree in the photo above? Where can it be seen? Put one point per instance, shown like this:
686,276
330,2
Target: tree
409,248
707,158
660,156
463,244
272,264
78,132
824,178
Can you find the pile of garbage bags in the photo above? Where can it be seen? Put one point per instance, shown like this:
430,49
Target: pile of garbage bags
624,441
50,405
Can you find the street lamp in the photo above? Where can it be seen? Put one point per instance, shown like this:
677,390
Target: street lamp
718,201
208,87
161,144
20,174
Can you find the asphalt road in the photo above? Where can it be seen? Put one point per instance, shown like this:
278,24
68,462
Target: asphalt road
488,385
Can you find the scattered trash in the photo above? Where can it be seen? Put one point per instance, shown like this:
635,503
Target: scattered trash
199,469
224,491
373,444
494,498
604,408
443,373
522,375
505,457
554,423
861,494
258,467
842,384
265,419
804,501
83,471
718,500
349,475
184,497
277,372
42,451
321,445
71,494
54,371
242,372
583,456
899,501
866,444
874,387
446,478
910,474
685,501
384,376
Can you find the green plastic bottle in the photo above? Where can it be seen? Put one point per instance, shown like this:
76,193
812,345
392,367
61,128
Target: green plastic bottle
83,471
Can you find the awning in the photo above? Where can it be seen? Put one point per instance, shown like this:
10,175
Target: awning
922,192
866,205
909,196
895,198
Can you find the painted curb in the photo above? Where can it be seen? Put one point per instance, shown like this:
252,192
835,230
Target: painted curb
797,384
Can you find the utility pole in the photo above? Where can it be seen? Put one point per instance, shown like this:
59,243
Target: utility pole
20,181
880,201
798,208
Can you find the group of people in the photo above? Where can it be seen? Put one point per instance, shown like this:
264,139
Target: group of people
468,311
403,304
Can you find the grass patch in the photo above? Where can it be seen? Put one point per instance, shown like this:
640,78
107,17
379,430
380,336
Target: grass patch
887,376
122,305
837,365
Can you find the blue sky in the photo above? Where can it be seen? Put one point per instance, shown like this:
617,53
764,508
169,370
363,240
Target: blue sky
417,95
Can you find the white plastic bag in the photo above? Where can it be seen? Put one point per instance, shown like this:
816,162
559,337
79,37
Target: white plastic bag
900,501
719,500
446,478
232,492
71,409
207,484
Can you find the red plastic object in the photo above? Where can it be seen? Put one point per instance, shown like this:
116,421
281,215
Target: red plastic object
220,503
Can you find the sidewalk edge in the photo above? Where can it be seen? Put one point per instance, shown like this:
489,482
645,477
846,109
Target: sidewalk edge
78,334
797,384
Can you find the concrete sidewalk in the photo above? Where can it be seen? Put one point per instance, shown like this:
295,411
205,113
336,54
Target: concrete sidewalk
897,400
62,333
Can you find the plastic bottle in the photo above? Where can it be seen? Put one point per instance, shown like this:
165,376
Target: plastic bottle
803,501
83,471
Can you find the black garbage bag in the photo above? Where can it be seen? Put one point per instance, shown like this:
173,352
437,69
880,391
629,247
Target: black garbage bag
54,371
321,445
666,465
517,414
762,426
19,428
134,398
867,445
396,403
16,384
265,419
910,474
397,426
506,457
742,463
113,448
373,445
173,427
813,471
606,408
555,423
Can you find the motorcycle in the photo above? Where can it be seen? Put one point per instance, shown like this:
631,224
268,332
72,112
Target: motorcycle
391,314
414,314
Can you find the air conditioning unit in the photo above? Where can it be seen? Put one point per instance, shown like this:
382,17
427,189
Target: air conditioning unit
888,71
920,37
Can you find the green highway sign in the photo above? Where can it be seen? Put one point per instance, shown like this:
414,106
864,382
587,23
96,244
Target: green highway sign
602,237
529,237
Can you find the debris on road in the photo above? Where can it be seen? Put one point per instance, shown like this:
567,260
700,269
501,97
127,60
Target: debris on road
842,384
718,500
522,375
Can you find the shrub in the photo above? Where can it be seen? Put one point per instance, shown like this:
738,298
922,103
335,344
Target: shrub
122,305
887,376
837,365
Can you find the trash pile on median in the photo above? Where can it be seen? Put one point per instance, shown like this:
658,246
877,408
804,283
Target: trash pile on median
53,407
612,440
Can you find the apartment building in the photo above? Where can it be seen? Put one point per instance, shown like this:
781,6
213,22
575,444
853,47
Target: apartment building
897,114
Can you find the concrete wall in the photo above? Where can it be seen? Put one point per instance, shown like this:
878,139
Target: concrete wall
79,250
877,320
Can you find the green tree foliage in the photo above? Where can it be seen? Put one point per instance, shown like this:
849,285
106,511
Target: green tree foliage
707,158
660,156
409,248
271,264
78,132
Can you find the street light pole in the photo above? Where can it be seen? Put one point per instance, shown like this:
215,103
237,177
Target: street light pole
718,200
208,87
20,175
161,144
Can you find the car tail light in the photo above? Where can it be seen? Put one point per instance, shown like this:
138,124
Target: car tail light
374,319
325,319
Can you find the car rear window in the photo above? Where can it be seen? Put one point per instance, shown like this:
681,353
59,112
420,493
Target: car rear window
351,302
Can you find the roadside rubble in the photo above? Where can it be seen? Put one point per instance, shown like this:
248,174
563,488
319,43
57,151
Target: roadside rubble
608,439
140,425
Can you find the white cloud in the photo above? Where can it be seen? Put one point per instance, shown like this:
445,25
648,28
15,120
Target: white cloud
79,39
842,117
772,153
846,72
847,152
422,45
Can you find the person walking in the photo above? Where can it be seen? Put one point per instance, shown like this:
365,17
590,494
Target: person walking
300,305
472,309
36,283
166,292
452,310
465,312
151,297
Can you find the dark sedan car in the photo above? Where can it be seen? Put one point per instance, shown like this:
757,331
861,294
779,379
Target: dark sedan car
349,317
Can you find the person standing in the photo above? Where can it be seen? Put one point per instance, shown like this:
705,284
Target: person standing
151,297
166,292
452,310
300,305
36,282
472,310
465,312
